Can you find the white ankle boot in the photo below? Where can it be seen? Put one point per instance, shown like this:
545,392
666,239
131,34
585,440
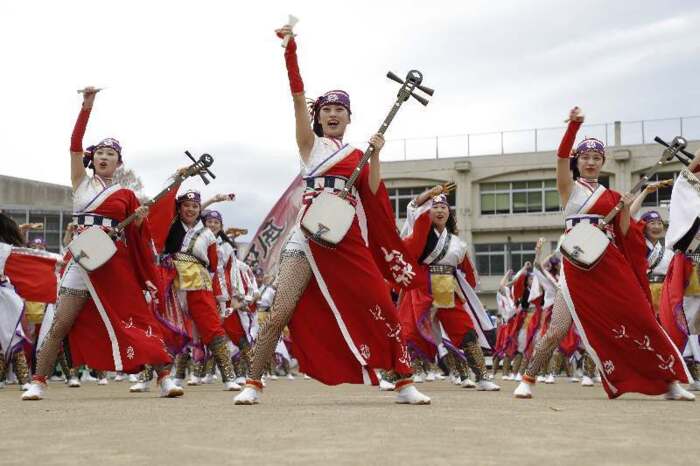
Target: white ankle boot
409,395
35,392
168,389
550,379
587,381
486,386
523,391
677,393
140,387
385,386
249,396
231,386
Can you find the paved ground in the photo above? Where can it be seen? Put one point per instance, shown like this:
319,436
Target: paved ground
303,422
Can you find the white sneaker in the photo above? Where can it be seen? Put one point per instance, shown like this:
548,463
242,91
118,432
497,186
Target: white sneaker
574,380
550,379
306,377
507,377
25,387
119,377
35,392
207,379
133,378
597,379
231,386
240,381
74,382
249,396
274,377
86,377
56,378
417,378
587,381
409,395
140,387
468,383
487,386
194,381
695,386
179,382
677,393
385,386
168,389
290,376
430,377
541,378
102,381
523,391
518,377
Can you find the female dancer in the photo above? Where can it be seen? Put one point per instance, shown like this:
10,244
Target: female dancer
342,291
445,308
680,300
609,303
190,258
103,312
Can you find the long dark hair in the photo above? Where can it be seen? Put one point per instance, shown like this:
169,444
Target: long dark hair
451,227
9,231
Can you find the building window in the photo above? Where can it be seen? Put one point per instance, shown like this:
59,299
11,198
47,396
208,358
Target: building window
521,197
400,198
53,226
662,197
496,258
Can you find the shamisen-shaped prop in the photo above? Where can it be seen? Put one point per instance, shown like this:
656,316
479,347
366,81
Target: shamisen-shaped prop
585,243
95,246
330,216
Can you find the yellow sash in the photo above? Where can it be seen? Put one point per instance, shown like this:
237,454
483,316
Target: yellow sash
443,289
192,276
34,312
693,288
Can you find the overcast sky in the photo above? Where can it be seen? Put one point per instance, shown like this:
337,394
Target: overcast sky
209,76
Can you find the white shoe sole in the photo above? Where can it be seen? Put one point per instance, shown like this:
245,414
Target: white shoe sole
413,403
172,394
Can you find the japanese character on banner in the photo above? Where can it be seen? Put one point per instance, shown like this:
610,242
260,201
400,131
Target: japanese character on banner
130,353
401,270
269,234
405,357
644,344
620,333
394,331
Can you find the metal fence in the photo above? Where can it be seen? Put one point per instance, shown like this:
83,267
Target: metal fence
537,139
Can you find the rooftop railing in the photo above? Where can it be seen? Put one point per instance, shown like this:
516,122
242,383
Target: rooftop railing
537,139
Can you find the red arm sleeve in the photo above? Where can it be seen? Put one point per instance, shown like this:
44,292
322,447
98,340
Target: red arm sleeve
76,139
567,142
290,58
469,271
213,258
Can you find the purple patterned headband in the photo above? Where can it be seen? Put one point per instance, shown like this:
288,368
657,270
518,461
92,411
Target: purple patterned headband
336,97
590,145
441,199
215,214
651,216
189,195
110,143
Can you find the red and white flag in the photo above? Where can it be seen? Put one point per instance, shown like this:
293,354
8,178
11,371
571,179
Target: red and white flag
268,241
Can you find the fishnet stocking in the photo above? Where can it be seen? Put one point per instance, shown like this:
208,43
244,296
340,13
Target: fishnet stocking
558,328
68,309
294,276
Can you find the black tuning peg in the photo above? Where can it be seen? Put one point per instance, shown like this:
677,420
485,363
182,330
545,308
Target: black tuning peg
420,99
393,77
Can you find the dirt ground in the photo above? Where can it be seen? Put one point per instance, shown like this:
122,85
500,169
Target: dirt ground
304,422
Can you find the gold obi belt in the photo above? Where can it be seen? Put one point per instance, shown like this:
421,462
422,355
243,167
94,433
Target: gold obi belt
443,285
34,312
693,288
192,275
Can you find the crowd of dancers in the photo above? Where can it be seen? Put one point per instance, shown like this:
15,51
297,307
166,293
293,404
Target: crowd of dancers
175,304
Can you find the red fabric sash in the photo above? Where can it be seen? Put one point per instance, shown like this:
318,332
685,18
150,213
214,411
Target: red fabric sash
671,312
32,275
